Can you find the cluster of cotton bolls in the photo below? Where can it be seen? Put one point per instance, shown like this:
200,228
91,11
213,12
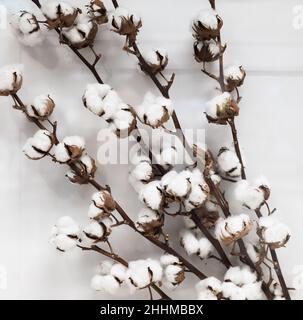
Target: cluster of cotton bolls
186,187
206,27
154,111
194,243
79,28
138,274
233,228
239,284
221,108
11,77
105,102
27,28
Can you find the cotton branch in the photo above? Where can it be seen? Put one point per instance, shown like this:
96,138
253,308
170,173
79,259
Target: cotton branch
231,122
122,261
162,245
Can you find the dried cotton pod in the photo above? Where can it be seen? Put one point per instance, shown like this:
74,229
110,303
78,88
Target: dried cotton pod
207,51
157,60
97,11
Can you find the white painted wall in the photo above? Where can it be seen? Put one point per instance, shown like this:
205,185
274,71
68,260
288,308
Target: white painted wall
260,35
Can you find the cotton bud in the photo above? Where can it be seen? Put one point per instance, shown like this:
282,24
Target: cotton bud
65,234
41,108
157,60
39,145
59,14
221,108
173,270
27,28
209,289
70,149
149,222
103,204
10,79
229,163
249,196
152,195
207,51
97,11
190,243
233,228
126,24
272,232
123,121
83,33
207,25
234,77
98,230
86,169
176,185
154,111
142,273
143,170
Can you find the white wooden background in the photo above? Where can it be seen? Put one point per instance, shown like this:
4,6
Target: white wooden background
33,194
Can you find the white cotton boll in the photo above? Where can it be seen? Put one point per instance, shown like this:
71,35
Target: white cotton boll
211,285
94,212
94,230
27,29
147,219
42,107
205,248
39,145
208,18
253,291
74,141
176,184
218,104
119,13
61,154
233,228
234,73
206,295
274,232
190,243
67,225
89,163
154,111
168,259
151,194
50,9
106,283
240,276
93,97
123,119
232,292
169,156
229,163
248,196
11,77
64,242
118,271
195,199
171,273
104,267
155,268
141,273
143,171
